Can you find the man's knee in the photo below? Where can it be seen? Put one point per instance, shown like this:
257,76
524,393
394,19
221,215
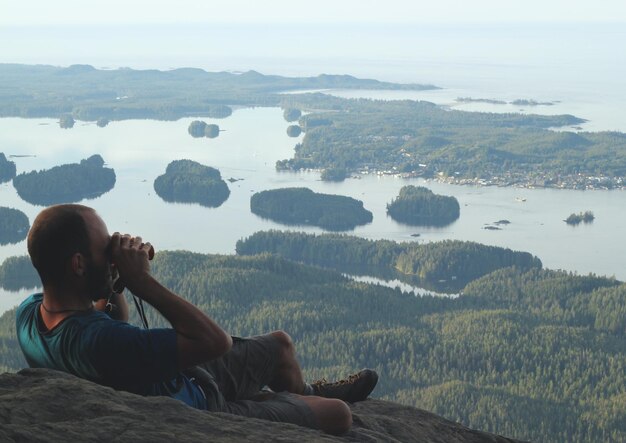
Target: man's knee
334,416
283,339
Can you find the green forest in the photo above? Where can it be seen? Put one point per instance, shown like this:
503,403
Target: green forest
187,181
533,354
14,225
419,206
301,206
445,266
66,183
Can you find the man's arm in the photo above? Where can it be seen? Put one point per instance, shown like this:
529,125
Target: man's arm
198,337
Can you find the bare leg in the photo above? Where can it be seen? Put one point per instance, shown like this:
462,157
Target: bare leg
288,376
332,415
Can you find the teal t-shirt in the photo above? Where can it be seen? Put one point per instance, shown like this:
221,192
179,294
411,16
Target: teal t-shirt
93,346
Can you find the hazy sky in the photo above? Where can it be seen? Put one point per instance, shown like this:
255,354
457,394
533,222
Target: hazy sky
40,12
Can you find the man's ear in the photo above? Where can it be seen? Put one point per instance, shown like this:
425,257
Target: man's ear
78,264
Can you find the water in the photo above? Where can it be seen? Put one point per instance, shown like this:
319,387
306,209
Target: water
139,151
395,283
581,67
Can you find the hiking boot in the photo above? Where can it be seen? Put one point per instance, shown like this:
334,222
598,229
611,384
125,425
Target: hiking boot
355,388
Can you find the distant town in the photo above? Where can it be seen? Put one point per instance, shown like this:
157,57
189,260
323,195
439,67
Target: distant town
578,181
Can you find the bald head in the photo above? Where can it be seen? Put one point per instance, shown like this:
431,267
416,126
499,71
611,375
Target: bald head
57,233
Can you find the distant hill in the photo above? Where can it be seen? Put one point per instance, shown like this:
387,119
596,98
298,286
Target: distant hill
87,93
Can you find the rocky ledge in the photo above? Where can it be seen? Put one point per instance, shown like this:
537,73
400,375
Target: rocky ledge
39,405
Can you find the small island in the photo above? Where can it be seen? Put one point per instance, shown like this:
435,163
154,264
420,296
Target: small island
294,131
102,122
198,129
582,217
419,206
291,114
18,273
530,102
302,206
66,183
187,181
14,226
489,101
334,174
66,121
7,169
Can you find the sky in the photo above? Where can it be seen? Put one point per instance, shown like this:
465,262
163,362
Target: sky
71,12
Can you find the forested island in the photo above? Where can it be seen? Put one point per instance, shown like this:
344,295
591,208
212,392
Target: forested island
419,206
533,354
18,273
14,225
198,128
291,114
445,266
102,122
334,174
66,183
582,217
66,122
420,139
7,169
301,206
187,181
294,131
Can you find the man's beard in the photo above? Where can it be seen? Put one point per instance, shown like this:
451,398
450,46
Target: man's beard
99,283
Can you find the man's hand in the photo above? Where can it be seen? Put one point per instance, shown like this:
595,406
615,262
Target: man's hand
198,337
131,256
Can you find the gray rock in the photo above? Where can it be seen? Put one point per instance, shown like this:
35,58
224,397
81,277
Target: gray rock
40,405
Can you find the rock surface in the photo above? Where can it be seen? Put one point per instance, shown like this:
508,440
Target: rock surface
40,405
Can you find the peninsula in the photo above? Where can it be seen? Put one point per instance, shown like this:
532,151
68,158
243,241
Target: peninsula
420,139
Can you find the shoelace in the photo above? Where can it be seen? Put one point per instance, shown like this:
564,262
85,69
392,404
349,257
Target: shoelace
323,382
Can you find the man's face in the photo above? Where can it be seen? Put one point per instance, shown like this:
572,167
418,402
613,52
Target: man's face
98,265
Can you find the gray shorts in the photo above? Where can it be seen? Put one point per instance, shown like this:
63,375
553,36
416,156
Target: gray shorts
235,381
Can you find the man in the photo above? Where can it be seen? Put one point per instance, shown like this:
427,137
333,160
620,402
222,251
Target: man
66,328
